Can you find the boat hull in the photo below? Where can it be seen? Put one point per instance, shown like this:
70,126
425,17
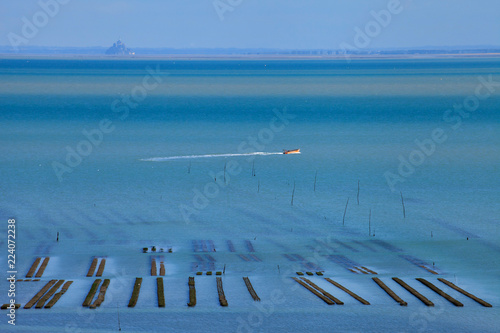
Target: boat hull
293,151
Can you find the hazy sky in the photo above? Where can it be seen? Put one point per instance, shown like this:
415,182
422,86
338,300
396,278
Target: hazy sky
250,23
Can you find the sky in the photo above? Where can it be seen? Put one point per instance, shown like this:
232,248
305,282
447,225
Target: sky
281,24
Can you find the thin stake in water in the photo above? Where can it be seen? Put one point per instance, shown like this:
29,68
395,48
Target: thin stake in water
370,223
357,196
315,176
118,312
403,203
345,210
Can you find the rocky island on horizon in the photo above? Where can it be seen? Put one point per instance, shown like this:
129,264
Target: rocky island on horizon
119,48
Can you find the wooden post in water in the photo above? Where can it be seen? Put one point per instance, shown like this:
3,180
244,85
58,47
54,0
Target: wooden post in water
118,312
357,196
315,176
403,203
370,223
345,210
293,192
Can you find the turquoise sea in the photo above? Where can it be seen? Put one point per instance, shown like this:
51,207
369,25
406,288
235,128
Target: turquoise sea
117,155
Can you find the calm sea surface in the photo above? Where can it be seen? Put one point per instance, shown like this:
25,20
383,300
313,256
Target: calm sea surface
105,152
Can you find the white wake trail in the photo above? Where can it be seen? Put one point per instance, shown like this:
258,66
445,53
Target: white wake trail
170,158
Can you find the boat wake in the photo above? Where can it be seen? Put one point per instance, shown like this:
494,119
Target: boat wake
185,157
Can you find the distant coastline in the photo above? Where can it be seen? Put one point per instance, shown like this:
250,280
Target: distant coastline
246,57
258,53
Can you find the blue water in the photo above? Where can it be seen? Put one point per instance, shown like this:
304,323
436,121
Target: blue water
351,121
